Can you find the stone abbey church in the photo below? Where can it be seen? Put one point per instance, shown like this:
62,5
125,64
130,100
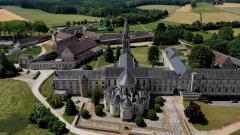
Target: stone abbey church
127,87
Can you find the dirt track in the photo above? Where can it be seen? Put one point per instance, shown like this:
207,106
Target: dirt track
5,15
229,5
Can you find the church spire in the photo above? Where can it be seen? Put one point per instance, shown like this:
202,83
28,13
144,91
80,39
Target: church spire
126,38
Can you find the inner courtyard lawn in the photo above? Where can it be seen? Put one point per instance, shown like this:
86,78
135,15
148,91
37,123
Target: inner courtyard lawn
217,116
33,51
141,54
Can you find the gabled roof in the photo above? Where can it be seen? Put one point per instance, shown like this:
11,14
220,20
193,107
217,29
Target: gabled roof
221,58
178,66
126,60
126,78
76,45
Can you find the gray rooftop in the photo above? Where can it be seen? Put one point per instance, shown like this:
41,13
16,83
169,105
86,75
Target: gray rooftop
126,60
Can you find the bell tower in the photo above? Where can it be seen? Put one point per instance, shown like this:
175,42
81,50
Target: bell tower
126,38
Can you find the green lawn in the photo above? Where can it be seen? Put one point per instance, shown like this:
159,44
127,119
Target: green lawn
16,103
141,54
236,31
48,47
205,7
169,8
236,133
206,35
49,18
217,116
33,51
46,88
69,119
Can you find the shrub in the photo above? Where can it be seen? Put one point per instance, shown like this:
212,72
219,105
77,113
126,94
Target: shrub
195,114
56,102
197,39
152,114
96,96
157,107
87,67
159,100
84,113
139,121
99,110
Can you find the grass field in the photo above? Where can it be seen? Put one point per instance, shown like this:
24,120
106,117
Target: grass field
236,31
169,8
141,54
33,51
206,7
183,17
16,103
48,47
236,133
217,116
235,10
46,88
69,119
217,17
49,18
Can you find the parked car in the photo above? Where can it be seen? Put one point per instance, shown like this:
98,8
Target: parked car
36,75
234,101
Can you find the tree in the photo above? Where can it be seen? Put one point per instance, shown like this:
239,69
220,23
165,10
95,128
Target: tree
56,102
226,33
197,39
7,69
193,3
70,108
153,55
202,56
68,23
84,113
99,110
151,114
40,27
195,114
108,55
234,47
87,67
159,100
96,96
140,121
188,36
118,53
157,107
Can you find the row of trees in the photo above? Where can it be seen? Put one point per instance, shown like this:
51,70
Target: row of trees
45,119
197,25
19,28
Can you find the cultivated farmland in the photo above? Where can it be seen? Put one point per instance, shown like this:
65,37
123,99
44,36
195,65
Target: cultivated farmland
169,8
183,17
49,18
206,8
5,15
217,17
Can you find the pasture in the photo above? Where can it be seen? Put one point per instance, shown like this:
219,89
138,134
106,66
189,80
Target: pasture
49,18
228,115
169,8
5,15
206,7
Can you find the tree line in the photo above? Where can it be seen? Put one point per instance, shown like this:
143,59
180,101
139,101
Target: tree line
197,25
19,28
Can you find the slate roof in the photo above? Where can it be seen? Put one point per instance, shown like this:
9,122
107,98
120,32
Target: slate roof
127,103
126,60
178,66
133,35
75,45
76,74
217,73
126,78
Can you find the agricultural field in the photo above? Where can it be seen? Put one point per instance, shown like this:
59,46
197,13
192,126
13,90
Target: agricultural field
5,15
228,115
210,13
169,8
230,7
49,18
205,7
